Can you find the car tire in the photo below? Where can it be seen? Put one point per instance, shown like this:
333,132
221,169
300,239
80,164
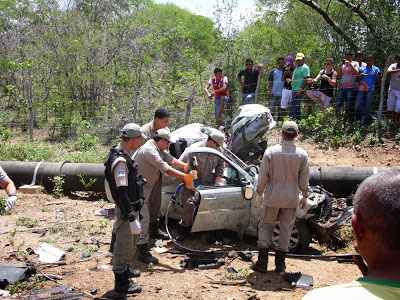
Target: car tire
300,238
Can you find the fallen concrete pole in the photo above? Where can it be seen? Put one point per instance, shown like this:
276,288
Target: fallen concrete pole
341,181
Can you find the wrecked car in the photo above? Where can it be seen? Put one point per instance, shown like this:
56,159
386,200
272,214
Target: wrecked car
228,207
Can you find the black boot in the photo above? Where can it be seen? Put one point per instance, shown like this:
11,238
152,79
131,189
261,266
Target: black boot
156,232
124,286
133,273
262,261
145,256
280,266
113,238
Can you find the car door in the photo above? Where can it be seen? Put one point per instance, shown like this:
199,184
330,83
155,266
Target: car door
223,207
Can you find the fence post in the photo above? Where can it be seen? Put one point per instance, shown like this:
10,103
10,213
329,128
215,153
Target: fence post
382,96
28,85
189,103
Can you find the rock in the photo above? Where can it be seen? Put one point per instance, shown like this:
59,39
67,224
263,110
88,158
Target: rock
232,254
86,254
254,297
69,249
214,286
93,291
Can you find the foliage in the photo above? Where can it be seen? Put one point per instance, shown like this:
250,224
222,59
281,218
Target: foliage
35,282
2,206
58,189
5,134
25,152
86,181
328,128
108,62
26,222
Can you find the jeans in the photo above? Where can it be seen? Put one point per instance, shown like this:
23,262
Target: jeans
363,105
248,98
295,106
220,102
346,98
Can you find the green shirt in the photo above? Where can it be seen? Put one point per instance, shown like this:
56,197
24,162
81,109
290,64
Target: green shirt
299,74
363,289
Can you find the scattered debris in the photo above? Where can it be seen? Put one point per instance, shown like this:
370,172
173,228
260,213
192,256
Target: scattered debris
232,254
231,270
49,254
10,274
59,292
299,280
161,250
202,262
254,297
245,255
4,293
108,213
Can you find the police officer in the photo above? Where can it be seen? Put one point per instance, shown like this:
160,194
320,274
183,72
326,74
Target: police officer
210,169
160,121
124,186
7,184
284,169
153,160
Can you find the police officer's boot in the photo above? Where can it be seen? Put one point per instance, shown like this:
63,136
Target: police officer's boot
156,232
262,261
133,273
144,254
280,266
113,238
124,286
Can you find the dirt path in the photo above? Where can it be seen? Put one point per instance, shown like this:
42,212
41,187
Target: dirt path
381,156
90,234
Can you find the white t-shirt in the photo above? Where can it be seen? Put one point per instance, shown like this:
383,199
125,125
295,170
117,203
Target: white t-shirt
224,81
395,77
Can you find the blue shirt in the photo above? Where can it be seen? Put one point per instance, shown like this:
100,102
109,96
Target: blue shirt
370,76
276,77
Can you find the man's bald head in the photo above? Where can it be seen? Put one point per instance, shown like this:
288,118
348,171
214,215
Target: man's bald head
377,205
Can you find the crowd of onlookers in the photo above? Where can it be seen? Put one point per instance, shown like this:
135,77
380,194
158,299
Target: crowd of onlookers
350,87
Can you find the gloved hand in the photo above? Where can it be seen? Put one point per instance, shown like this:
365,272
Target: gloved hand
10,202
188,181
135,226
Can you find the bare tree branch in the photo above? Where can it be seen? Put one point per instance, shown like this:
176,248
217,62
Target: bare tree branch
315,6
361,14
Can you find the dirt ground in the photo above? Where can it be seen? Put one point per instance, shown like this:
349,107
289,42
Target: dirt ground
85,237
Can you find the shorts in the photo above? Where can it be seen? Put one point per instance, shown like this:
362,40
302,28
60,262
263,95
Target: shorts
393,101
286,98
319,97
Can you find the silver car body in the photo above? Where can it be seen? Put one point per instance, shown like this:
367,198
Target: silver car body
221,207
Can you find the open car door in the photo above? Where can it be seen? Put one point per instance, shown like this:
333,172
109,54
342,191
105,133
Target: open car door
223,207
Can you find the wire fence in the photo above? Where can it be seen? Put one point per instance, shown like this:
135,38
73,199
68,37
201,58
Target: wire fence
106,116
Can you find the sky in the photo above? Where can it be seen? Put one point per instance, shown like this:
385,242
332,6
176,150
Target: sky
243,13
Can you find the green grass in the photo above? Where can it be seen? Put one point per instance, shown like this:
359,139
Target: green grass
52,152
26,222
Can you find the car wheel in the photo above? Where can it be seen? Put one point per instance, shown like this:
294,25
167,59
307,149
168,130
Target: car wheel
299,239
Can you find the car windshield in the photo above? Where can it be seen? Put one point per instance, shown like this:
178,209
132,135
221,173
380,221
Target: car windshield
235,159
